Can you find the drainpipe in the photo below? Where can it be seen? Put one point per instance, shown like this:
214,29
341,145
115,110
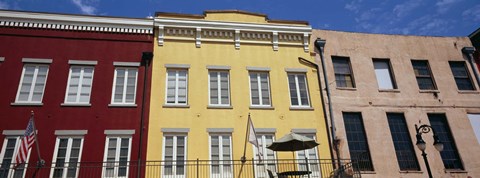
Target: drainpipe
469,52
146,59
320,45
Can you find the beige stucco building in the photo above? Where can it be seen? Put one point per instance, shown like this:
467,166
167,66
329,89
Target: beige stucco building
382,85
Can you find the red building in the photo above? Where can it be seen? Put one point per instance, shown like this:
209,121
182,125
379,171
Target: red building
83,77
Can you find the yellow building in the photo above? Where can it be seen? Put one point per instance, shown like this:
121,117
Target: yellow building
210,72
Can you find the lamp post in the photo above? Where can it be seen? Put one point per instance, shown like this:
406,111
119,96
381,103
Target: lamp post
422,145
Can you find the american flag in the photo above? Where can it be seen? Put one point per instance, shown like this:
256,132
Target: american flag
26,142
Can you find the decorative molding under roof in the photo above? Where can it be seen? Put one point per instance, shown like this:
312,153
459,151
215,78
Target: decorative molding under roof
75,22
200,30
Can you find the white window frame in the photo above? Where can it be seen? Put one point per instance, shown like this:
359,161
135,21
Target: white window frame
257,73
297,89
265,163
177,70
174,155
221,159
124,92
34,81
312,161
219,90
11,171
80,83
117,155
67,154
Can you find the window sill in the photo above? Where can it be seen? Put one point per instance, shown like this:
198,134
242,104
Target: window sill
368,172
76,104
413,172
455,171
389,90
26,104
219,107
429,91
468,92
347,88
175,106
301,108
263,107
122,105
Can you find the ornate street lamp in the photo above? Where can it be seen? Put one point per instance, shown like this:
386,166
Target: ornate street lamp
422,145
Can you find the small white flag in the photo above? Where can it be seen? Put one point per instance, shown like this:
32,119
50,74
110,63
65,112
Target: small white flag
252,138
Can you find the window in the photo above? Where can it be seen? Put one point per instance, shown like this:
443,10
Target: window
68,151
125,85
117,156
384,74
32,83
267,155
298,90
423,74
79,84
221,155
174,155
312,156
343,72
357,141
260,89
176,93
461,76
219,88
475,121
7,158
450,156
402,142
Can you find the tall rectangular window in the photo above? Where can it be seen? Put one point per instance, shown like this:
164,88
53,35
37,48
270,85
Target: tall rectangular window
267,155
117,156
221,155
312,156
384,74
79,84
32,83
423,74
7,158
124,85
174,155
461,76
357,141
402,142
259,89
176,92
343,72
450,156
297,83
68,151
219,88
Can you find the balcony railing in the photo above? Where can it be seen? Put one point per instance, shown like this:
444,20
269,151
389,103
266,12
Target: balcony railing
318,168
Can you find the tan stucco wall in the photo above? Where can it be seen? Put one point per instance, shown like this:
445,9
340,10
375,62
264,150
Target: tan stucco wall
373,104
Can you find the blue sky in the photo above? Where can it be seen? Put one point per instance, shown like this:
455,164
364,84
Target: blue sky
410,17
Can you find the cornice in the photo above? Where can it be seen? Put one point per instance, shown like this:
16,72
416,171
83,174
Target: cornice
232,32
75,22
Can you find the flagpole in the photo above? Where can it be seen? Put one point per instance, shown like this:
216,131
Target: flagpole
40,162
244,159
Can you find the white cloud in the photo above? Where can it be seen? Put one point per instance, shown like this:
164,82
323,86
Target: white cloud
84,7
401,10
444,5
353,6
4,5
472,13
425,25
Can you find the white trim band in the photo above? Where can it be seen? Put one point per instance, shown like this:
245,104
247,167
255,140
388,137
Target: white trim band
13,132
214,67
302,70
179,66
36,60
82,62
71,132
219,130
127,64
258,68
175,130
119,132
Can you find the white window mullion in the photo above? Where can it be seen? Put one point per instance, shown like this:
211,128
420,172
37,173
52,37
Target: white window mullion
124,90
32,86
259,89
80,84
219,88
177,81
299,99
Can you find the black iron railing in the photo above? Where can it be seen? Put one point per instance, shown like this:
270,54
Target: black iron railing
313,168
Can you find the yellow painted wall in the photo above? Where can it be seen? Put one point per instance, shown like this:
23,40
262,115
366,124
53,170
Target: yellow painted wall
198,117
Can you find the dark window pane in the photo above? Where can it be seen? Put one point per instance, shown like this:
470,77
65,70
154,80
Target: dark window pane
423,75
450,156
460,74
357,141
403,144
343,72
